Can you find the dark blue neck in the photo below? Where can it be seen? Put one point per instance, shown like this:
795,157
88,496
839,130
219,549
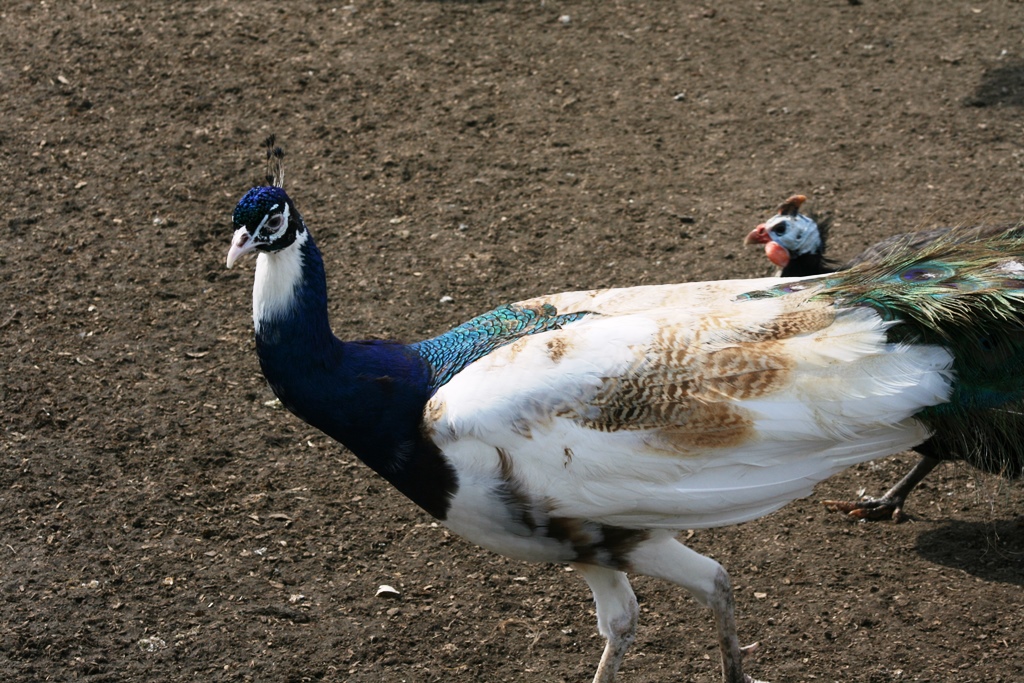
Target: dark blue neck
368,395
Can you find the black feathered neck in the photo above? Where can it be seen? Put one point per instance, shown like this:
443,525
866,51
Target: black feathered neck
813,263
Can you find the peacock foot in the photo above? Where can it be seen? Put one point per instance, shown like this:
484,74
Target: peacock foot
869,509
746,651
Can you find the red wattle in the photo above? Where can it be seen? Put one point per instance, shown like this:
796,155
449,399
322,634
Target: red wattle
777,254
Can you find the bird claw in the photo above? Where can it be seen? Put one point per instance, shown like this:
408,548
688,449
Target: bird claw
744,652
869,509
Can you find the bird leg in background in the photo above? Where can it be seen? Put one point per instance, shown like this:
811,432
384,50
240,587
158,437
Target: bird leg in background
890,505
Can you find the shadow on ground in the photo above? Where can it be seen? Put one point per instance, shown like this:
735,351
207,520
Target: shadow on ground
991,550
1002,85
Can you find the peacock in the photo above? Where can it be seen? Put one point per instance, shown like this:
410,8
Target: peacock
795,243
589,428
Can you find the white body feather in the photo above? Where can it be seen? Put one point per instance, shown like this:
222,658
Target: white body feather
846,396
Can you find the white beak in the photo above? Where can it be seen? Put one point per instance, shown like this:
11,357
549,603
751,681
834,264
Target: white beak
240,246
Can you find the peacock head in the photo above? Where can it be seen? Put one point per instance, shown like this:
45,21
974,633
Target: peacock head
265,220
788,234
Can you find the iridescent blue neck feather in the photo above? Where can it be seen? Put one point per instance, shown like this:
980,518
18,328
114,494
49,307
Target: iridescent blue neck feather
368,395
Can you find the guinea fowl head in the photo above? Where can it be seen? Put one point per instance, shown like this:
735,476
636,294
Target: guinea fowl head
265,219
789,234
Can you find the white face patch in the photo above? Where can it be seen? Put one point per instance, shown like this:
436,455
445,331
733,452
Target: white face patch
273,225
277,275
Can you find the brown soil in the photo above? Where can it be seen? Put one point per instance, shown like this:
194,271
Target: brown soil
161,522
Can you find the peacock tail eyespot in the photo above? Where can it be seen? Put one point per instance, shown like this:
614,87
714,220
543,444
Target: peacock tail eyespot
916,275
926,271
794,287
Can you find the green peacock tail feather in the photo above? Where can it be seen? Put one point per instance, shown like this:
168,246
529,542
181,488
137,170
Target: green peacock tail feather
969,298
966,295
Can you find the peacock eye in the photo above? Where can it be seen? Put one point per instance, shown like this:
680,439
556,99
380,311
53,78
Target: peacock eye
780,229
275,221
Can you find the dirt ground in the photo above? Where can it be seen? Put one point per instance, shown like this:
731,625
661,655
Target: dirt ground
161,520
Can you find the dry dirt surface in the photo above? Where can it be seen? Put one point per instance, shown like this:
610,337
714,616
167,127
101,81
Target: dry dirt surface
161,520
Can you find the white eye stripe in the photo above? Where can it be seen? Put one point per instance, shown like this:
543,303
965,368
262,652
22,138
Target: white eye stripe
280,229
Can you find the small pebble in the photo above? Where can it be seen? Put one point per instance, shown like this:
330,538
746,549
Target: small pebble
386,591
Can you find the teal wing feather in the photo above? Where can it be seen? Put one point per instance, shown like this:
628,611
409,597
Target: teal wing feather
450,352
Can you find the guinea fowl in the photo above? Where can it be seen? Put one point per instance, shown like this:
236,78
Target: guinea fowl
795,244
590,427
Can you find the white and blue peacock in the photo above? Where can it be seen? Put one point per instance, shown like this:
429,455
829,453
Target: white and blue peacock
795,243
590,427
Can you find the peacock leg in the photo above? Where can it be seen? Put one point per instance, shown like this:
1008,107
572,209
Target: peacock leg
890,505
617,614
664,557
